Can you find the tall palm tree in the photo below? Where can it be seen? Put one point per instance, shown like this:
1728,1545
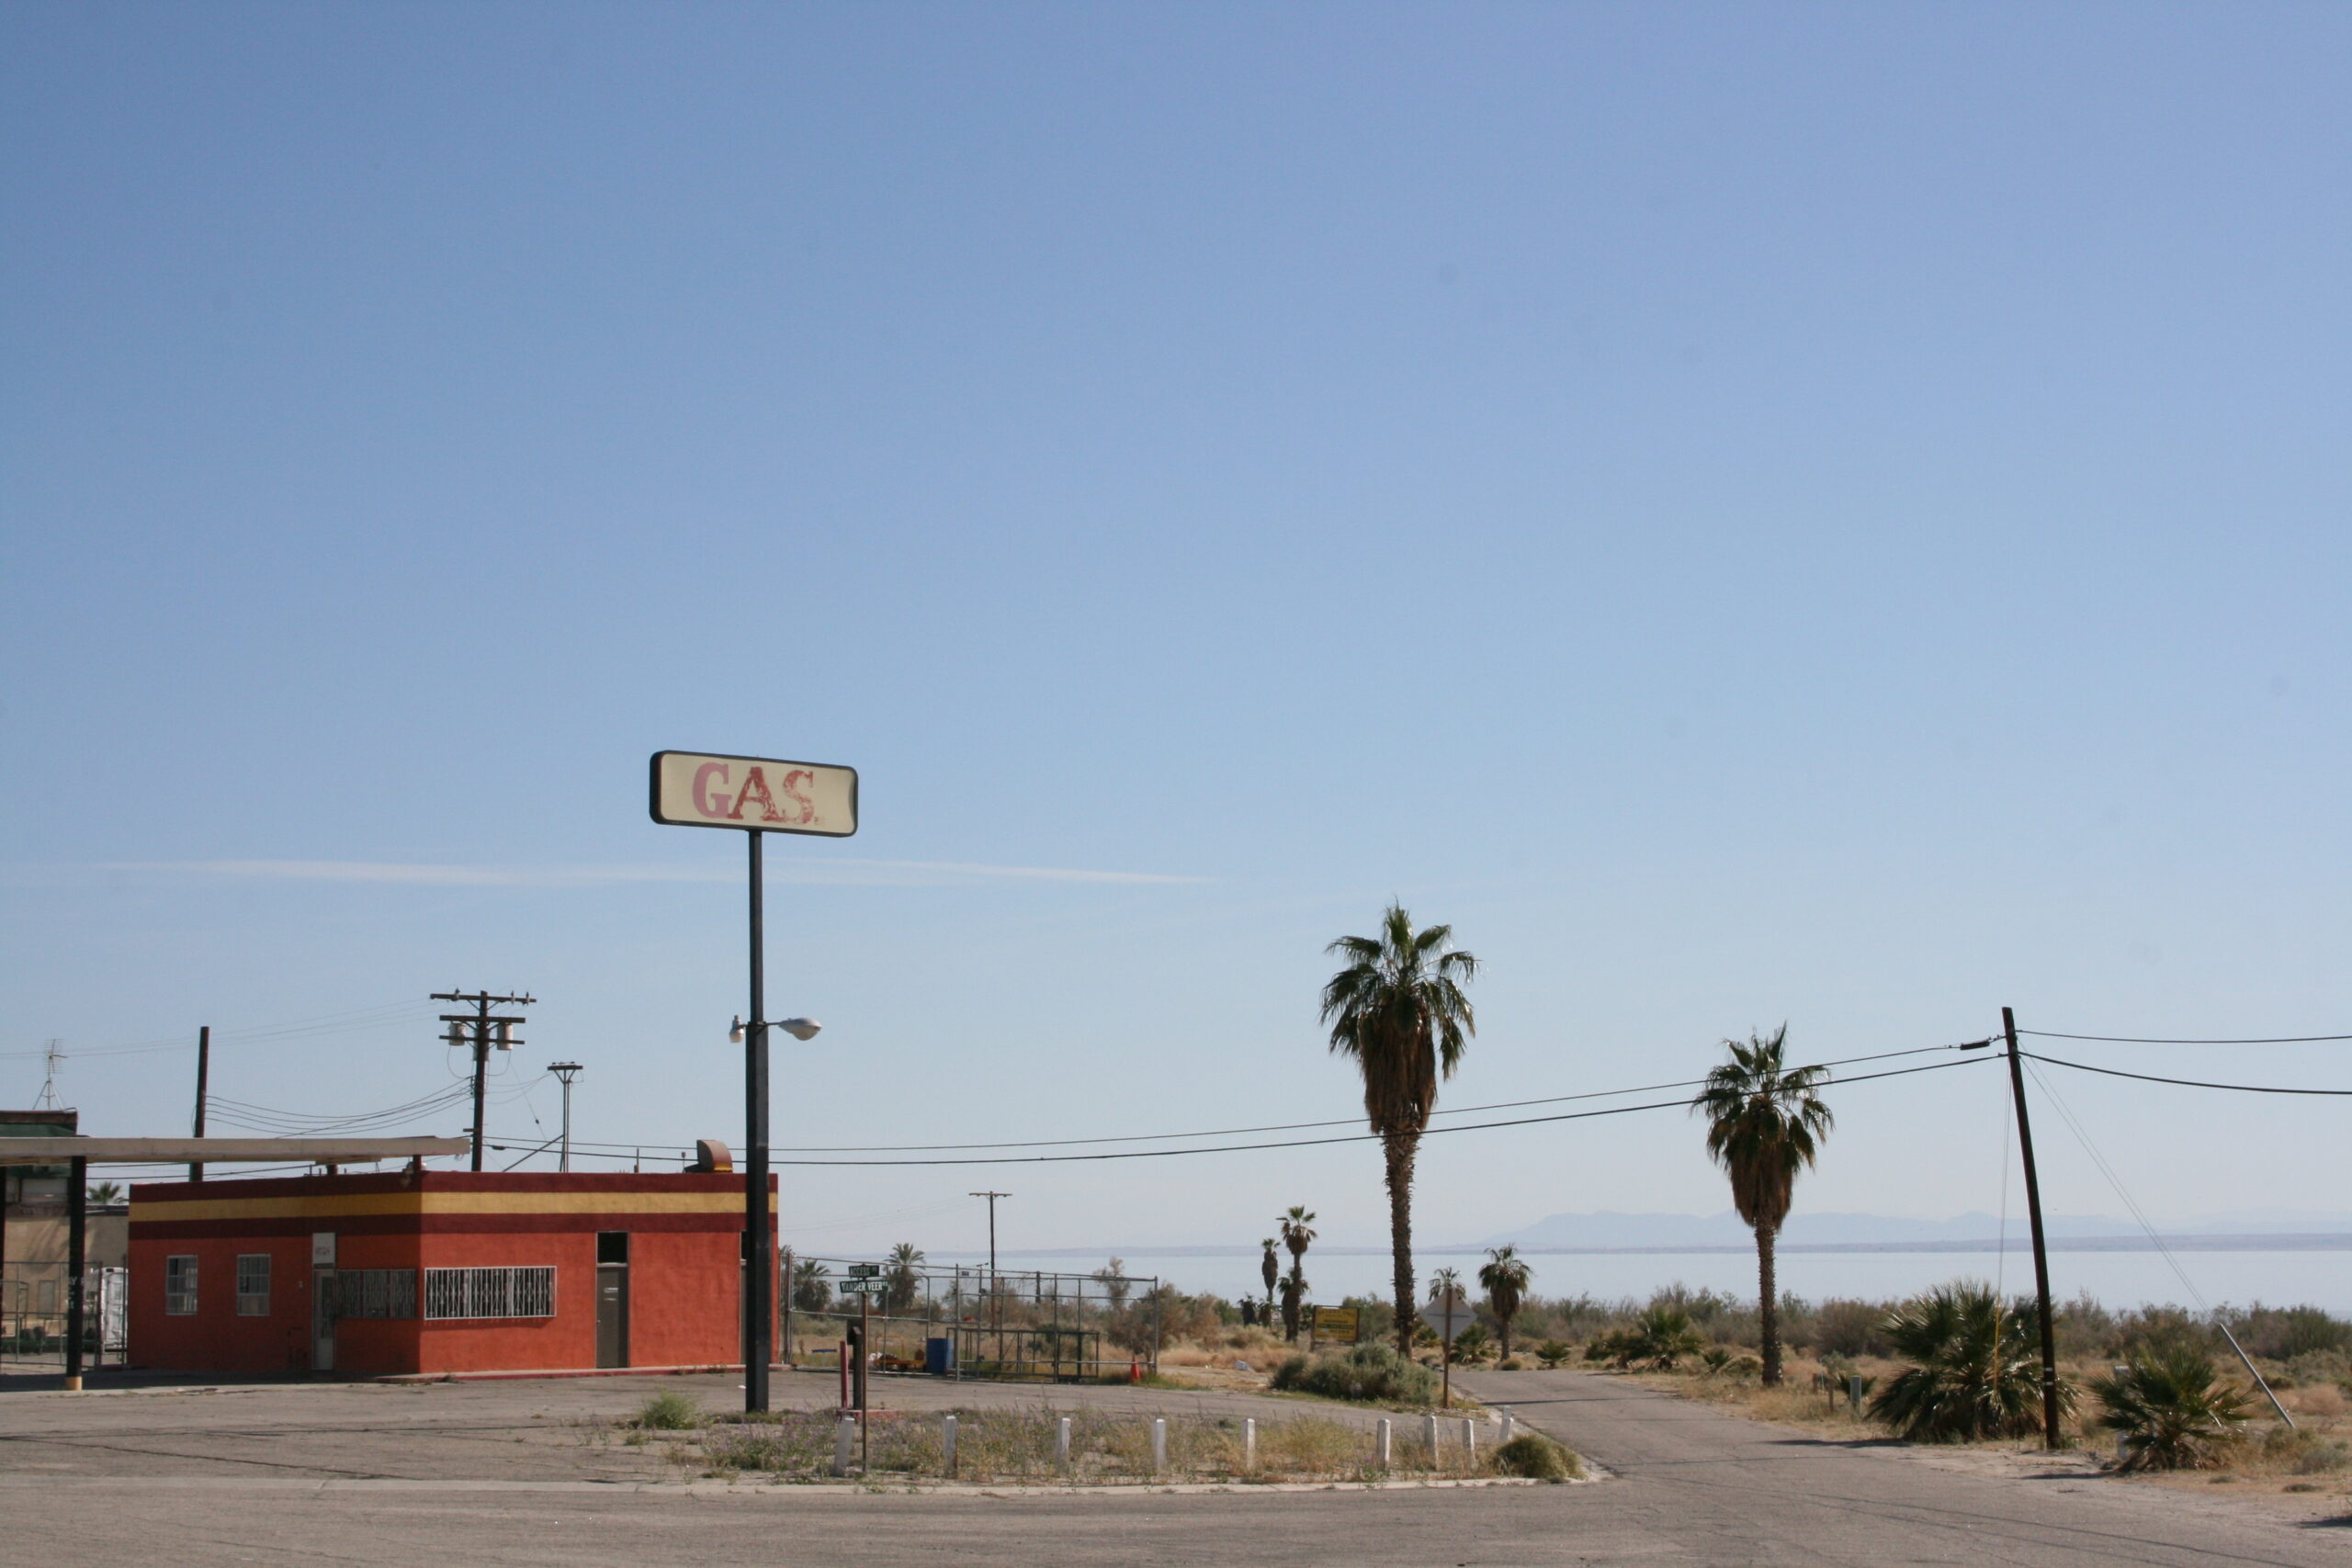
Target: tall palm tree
1764,1124
1270,1270
1297,1233
1505,1275
1397,1011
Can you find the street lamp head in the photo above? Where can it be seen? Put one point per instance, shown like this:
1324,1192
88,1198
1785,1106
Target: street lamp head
800,1028
735,1030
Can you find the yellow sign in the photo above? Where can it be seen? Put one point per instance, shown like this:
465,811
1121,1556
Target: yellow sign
1337,1324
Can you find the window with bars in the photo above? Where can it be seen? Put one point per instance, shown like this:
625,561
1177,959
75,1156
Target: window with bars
179,1285
528,1291
253,1284
375,1293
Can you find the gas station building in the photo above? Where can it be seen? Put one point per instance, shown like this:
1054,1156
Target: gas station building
419,1271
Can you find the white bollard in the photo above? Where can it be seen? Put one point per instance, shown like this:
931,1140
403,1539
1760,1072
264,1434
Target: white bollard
1510,1426
844,1440
1380,1443
1469,1443
1249,1443
947,1447
1158,1444
1061,1443
1429,1432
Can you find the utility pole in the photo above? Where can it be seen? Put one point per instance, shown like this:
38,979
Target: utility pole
203,1076
2050,1434
996,1306
566,1071
475,1029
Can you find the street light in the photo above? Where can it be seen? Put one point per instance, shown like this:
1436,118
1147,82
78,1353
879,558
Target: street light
798,1028
759,1263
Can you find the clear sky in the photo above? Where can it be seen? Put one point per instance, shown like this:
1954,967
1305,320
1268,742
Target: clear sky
1831,513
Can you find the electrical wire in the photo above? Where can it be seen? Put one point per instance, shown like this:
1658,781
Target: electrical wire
2185,1083
2142,1039
1287,1127
1352,1139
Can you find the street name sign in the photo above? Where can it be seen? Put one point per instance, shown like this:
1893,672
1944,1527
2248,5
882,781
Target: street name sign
863,1271
760,795
864,1287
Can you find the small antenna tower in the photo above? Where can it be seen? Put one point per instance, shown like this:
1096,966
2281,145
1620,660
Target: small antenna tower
50,1058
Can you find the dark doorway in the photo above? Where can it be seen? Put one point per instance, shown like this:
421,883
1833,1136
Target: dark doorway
612,1298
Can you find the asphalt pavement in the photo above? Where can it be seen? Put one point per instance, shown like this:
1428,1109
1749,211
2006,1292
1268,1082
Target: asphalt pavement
492,1475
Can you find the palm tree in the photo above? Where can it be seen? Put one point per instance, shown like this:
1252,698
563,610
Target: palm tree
811,1289
104,1193
1297,1233
1764,1124
1974,1374
1505,1275
1294,1297
905,1259
1270,1270
1398,1011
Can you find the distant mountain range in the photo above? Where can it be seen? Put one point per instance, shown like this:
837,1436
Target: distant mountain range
1609,1231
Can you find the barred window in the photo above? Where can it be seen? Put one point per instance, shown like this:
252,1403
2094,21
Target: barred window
253,1284
375,1293
179,1285
490,1292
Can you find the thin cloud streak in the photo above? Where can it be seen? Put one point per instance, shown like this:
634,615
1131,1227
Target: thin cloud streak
845,870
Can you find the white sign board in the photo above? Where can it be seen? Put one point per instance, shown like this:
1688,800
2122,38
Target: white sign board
1450,1322
690,789
323,1250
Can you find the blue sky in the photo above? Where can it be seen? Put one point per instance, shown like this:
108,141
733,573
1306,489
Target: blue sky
1752,513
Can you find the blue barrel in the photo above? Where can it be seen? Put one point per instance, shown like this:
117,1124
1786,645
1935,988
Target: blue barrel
939,1356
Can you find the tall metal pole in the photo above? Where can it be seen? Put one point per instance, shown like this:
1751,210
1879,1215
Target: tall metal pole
78,1224
482,1074
759,1275
2049,1433
203,1075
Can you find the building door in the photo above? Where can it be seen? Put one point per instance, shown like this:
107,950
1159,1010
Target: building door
323,1320
612,1298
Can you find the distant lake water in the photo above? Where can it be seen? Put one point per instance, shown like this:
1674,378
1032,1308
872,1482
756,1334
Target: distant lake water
2278,1277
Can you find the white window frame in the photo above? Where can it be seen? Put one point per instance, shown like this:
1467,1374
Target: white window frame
252,1268
179,1285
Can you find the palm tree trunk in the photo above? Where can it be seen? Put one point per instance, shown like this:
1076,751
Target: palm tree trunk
1506,1324
1400,1147
1768,1304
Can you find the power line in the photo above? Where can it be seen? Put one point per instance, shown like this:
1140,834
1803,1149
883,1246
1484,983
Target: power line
2144,1039
2185,1083
1352,1139
1283,1126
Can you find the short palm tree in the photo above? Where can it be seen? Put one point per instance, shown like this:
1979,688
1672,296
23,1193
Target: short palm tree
2169,1405
104,1193
1293,1298
811,1289
1505,1275
1974,1371
1764,1123
906,1259
1270,1270
1398,1011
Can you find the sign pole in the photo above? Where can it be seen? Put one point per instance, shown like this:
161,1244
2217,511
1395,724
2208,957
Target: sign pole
758,1276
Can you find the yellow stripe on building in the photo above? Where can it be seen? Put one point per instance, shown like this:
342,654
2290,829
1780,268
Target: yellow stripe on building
354,1204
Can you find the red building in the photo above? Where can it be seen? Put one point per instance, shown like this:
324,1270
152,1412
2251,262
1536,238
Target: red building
439,1272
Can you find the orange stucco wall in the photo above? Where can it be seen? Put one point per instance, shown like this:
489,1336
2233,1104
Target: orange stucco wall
685,1274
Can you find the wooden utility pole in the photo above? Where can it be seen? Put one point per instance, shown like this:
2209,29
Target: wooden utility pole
475,1027
2050,1437
996,1313
203,1076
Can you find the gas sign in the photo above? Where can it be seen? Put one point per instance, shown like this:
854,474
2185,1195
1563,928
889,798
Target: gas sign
760,795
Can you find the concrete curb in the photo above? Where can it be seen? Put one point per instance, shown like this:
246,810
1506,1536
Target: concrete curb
824,1488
